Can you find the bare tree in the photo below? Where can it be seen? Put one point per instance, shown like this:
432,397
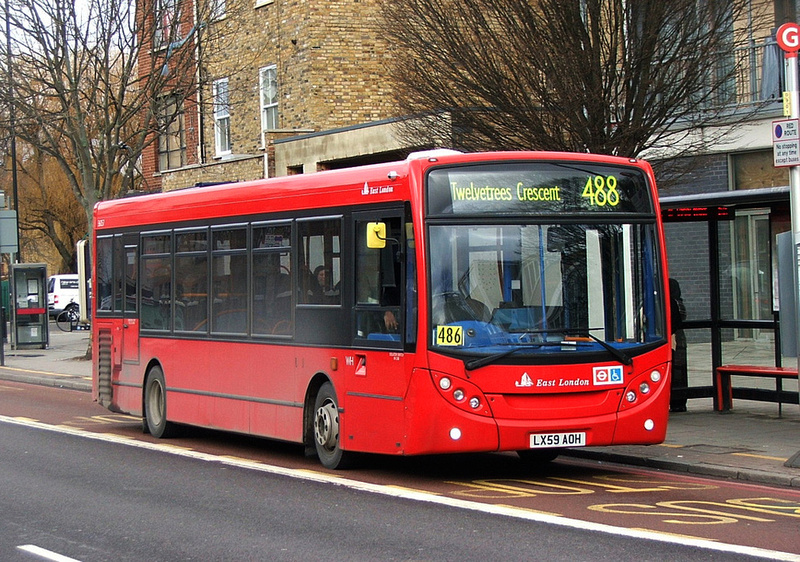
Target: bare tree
77,94
607,76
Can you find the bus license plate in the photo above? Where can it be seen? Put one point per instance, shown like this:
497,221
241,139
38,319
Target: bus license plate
548,440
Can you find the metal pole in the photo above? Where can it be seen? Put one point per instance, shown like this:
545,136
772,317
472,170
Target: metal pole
794,177
12,129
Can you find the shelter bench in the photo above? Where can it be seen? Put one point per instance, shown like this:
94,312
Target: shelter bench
722,382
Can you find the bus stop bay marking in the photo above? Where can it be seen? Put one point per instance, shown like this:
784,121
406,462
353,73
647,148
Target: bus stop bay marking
554,486
104,419
697,512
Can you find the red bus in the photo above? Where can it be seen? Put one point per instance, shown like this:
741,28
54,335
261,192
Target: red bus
510,301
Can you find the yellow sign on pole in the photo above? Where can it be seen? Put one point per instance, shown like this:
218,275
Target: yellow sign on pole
787,104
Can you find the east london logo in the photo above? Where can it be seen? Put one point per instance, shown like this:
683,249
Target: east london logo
367,190
526,382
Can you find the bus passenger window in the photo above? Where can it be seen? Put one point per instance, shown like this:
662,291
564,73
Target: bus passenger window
191,281
229,277
319,278
272,280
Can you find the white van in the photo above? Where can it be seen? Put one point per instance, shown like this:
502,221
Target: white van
61,291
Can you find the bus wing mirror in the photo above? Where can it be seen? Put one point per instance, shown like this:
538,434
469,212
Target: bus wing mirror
376,235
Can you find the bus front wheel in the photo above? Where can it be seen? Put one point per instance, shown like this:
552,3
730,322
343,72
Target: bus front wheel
155,405
327,439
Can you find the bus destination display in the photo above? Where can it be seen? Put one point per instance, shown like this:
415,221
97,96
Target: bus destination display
537,188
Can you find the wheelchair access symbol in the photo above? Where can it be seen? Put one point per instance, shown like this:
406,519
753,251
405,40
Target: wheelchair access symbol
608,375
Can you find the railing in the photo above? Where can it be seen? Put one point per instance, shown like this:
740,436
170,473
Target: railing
760,74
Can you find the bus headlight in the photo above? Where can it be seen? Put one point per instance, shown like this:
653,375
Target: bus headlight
655,376
644,388
462,394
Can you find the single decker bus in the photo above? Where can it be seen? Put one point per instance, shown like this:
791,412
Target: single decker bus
507,301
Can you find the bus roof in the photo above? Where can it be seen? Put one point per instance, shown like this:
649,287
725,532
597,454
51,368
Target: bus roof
349,186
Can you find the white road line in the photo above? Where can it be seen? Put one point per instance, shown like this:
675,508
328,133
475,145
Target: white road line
507,511
46,554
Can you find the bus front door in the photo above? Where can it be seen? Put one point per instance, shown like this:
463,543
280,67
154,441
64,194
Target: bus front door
130,321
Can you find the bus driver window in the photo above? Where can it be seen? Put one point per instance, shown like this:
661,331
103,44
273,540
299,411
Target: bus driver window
378,282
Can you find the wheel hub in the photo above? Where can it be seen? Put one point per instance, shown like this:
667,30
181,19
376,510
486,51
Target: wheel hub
326,426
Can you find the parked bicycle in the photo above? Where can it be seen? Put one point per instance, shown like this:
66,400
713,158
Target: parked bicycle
69,318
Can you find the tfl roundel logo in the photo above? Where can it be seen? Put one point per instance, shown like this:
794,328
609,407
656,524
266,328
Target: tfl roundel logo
608,375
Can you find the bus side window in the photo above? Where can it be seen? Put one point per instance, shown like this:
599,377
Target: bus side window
319,278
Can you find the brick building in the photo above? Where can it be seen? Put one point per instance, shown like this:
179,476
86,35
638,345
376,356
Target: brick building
288,86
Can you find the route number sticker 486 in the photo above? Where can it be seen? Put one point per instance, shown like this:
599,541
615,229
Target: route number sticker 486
450,335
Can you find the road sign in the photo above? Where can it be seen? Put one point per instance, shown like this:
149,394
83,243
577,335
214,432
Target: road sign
786,142
788,37
8,232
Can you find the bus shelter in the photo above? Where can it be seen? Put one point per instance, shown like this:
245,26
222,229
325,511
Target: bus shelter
722,252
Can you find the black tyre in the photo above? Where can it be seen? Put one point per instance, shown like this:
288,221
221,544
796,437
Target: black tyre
327,439
68,319
155,405
538,457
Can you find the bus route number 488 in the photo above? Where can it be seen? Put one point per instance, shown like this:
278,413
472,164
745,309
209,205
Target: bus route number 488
548,440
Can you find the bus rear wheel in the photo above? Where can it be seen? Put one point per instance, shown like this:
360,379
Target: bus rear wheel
155,405
327,439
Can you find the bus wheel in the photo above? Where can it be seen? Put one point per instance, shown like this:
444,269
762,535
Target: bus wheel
326,429
538,457
155,405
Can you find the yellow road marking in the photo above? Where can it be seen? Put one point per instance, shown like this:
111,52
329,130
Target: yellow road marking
540,512
759,457
678,535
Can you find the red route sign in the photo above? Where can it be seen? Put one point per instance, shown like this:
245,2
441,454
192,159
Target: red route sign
788,37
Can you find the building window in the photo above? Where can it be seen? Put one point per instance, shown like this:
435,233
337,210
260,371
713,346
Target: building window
268,88
166,21
218,8
753,170
222,117
172,134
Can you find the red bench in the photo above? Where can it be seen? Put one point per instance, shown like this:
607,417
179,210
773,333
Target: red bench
722,382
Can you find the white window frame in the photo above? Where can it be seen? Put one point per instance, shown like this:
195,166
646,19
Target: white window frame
166,23
268,100
222,117
218,10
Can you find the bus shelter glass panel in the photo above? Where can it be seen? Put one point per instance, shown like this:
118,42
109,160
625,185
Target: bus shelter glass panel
688,258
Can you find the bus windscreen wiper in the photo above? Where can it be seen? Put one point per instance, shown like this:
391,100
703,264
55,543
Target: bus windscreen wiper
483,361
618,354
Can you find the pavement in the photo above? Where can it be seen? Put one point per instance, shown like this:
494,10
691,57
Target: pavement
750,443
